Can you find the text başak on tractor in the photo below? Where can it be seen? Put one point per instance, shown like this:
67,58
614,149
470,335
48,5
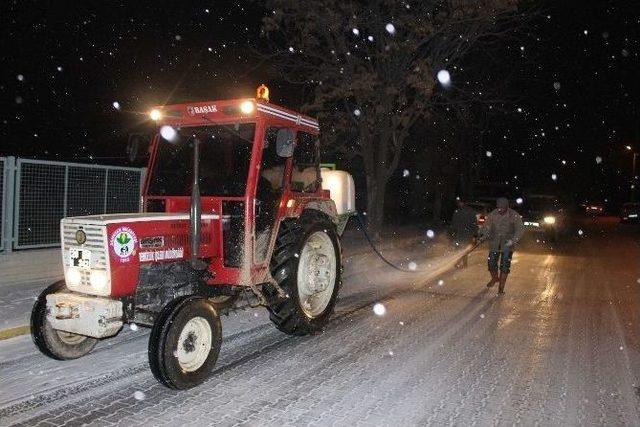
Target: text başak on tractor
234,202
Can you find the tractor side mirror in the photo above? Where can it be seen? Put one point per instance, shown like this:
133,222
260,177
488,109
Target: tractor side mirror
136,146
284,142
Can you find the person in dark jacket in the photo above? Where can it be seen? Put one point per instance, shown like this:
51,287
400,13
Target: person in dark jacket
464,227
503,229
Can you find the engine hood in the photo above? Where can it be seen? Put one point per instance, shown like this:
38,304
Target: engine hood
122,218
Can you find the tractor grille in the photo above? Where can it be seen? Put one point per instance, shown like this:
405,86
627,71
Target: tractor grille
96,243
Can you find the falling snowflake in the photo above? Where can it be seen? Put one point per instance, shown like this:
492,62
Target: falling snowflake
580,233
598,159
370,38
59,68
379,309
20,77
133,327
168,133
390,28
444,77
489,153
390,353
116,105
482,316
519,200
178,37
412,266
556,85
430,234
522,48
519,110
291,49
554,176
586,32
405,173
402,323
356,112
440,282
356,31
138,395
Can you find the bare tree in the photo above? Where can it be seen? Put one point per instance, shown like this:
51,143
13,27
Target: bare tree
372,67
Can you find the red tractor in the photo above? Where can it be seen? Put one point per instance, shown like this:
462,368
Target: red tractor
235,202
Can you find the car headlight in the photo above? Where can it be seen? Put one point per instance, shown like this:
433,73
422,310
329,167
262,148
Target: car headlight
74,277
98,280
549,219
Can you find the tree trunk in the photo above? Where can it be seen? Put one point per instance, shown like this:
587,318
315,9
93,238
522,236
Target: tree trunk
375,206
437,204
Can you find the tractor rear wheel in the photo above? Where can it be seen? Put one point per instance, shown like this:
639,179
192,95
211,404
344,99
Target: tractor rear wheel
185,342
51,342
306,265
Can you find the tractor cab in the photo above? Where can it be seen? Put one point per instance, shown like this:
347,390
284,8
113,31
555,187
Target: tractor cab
257,163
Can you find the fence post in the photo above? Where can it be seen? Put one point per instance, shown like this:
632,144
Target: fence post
8,204
66,191
143,177
106,190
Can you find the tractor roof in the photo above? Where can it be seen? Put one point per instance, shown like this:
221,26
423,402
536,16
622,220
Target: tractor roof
227,111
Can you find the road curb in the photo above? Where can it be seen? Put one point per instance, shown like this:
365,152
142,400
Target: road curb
16,331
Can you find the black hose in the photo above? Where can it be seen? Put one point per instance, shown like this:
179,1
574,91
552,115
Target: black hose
389,263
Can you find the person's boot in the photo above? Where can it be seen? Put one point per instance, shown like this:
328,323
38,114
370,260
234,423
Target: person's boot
494,279
503,280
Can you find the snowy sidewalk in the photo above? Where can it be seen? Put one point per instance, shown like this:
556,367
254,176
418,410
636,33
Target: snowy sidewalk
29,266
24,274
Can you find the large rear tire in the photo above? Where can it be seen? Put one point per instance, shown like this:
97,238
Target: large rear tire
51,342
185,342
306,264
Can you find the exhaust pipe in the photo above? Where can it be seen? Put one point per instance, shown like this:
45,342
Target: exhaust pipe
195,213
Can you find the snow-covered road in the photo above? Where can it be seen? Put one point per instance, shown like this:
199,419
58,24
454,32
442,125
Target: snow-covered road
562,347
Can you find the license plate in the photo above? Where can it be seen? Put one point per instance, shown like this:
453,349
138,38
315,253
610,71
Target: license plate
532,224
80,258
633,215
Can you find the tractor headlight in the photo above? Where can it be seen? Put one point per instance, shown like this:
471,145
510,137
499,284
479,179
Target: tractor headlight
98,280
74,277
155,114
247,107
550,220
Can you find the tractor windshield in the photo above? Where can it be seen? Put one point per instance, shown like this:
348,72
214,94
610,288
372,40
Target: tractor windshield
225,154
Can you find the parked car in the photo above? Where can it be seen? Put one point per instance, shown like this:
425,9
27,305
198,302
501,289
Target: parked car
545,214
630,212
594,208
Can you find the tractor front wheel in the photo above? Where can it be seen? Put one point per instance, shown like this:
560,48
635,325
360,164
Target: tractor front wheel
185,342
306,265
51,342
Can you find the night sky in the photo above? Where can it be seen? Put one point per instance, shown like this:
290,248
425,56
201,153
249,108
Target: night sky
77,78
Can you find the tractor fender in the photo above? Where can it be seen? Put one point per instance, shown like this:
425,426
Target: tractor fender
326,206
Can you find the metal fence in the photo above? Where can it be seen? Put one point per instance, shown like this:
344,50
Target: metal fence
3,182
44,192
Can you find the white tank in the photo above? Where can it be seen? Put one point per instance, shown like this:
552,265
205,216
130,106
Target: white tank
343,191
